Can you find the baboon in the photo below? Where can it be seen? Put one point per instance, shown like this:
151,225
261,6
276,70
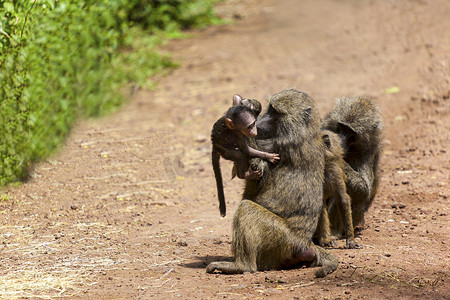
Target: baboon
256,108
335,193
274,224
254,104
359,124
229,140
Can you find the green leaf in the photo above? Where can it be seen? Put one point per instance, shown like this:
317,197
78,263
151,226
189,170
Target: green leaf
8,6
50,3
393,90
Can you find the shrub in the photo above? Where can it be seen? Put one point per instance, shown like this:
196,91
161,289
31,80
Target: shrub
62,59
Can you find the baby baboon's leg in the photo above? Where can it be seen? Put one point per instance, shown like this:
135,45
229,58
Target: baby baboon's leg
344,201
323,228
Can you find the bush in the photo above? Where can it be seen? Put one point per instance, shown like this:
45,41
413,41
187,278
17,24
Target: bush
171,15
61,59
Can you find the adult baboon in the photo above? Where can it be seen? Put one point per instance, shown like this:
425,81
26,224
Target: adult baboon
359,124
274,224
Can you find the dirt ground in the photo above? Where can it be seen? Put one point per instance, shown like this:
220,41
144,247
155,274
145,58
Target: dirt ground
128,209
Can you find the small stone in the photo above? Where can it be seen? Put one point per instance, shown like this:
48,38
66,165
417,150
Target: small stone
182,243
201,138
398,205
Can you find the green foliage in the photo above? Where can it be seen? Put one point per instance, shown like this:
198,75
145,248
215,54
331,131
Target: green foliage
171,15
62,59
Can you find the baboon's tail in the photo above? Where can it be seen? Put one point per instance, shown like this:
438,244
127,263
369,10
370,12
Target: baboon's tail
219,182
327,262
224,267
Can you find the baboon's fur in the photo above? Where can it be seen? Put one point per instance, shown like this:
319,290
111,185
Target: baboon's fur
335,192
274,224
359,124
224,143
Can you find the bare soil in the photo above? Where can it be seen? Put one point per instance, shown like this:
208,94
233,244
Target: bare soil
128,208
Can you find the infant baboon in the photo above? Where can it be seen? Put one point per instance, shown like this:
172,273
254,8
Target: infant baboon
359,125
274,224
335,193
229,140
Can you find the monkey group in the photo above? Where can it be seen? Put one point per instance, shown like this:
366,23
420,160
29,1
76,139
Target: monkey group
308,181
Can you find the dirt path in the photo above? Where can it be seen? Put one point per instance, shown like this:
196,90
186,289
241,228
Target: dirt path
128,209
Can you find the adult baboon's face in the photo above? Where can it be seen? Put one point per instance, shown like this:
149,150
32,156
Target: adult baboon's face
290,113
267,124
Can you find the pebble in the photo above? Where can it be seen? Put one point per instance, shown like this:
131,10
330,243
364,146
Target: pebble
201,138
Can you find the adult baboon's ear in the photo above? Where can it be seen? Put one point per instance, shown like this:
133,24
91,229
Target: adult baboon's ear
237,99
307,115
326,140
348,132
345,128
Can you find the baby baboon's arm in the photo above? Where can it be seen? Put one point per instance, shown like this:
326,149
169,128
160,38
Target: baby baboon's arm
252,152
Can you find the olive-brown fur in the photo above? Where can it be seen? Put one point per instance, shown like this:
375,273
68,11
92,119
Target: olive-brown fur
230,144
335,193
274,224
359,125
